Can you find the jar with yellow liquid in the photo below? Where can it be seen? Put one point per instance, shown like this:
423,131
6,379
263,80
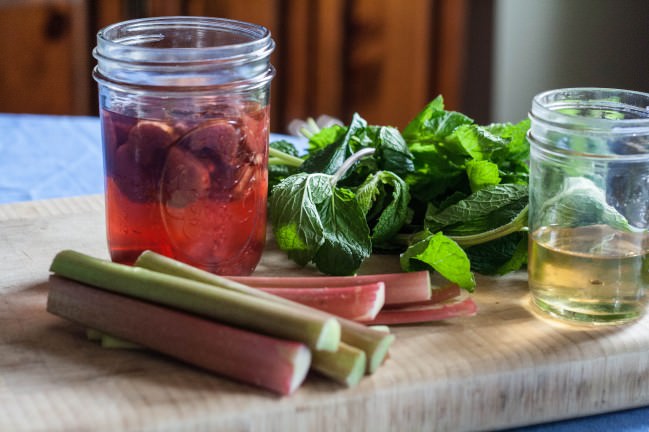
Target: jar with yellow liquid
589,204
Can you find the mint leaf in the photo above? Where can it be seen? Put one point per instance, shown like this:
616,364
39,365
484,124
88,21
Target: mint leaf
327,160
392,151
579,203
326,136
295,214
383,198
434,123
439,253
436,171
518,259
481,174
477,142
313,221
279,171
518,148
477,205
512,162
500,256
346,235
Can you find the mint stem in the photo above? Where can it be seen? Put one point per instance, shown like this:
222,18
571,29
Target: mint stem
519,223
278,157
350,161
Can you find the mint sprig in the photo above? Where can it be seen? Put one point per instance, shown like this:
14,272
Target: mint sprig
446,194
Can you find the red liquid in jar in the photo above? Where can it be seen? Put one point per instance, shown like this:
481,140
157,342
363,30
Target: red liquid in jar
194,190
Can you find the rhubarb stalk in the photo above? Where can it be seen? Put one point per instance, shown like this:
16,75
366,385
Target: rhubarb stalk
113,342
400,288
346,366
359,302
275,364
254,313
438,295
461,306
375,344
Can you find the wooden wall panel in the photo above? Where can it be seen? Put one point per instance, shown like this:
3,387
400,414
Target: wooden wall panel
328,57
263,12
389,59
382,58
44,57
293,66
452,21
106,12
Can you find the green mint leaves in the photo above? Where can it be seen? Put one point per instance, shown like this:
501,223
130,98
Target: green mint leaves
440,253
383,199
313,220
446,194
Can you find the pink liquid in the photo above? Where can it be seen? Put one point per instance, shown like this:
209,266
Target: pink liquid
190,190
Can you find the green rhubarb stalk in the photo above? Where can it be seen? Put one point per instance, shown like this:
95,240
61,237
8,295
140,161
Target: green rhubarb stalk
346,365
108,341
257,314
93,335
375,344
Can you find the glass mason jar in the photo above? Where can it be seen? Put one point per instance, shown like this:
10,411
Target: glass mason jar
589,204
184,107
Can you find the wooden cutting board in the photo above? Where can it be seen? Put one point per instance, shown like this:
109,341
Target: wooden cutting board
504,367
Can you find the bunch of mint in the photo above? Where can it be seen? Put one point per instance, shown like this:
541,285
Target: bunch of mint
446,194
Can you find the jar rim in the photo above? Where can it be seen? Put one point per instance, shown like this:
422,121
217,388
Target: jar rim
183,51
553,107
134,40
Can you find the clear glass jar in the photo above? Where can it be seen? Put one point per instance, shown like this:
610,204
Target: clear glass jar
589,204
184,106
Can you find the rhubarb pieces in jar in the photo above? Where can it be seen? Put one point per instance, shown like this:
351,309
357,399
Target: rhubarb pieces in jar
184,104
191,189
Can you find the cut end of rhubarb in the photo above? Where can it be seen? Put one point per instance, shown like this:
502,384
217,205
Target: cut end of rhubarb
379,301
301,365
329,336
379,354
357,371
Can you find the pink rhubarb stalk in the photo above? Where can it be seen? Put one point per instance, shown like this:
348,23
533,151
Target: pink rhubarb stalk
359,302
400,288
438,295
234,308
462,306
374,343
275,364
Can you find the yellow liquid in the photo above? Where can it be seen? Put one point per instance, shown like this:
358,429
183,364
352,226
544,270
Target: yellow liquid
592,274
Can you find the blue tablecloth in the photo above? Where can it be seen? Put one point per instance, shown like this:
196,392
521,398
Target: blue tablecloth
44,156
58,156
49,156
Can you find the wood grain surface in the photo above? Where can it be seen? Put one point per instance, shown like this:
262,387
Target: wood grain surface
504,367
